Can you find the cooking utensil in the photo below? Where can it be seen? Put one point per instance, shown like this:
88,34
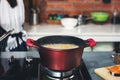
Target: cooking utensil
5,35
99,16
82,19
60,59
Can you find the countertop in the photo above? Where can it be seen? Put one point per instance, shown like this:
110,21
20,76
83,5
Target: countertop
95,60
92,60
99,32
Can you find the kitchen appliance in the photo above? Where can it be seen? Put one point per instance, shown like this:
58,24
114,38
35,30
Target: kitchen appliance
78,73
28,68
18,66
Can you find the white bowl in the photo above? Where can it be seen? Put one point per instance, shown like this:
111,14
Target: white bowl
69,23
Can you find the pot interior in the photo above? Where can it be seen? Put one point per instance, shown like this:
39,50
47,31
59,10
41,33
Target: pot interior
60,39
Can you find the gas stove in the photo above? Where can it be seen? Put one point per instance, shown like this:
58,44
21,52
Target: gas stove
79,73
29,68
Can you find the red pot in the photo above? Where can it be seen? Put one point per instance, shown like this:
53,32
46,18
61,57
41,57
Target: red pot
57,59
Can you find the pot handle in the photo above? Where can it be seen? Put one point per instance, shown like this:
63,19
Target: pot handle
30,43
91,42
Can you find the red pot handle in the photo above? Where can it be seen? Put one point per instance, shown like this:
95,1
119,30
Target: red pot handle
30,43
91,42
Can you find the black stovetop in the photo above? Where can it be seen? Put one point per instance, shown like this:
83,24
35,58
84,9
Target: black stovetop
16,72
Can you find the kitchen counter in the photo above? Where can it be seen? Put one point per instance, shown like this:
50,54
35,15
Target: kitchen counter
99,32
95,60
92,60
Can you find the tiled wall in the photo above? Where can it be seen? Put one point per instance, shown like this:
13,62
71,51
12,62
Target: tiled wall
75,7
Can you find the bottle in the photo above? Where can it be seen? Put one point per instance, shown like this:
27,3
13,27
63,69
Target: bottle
80,19
34,16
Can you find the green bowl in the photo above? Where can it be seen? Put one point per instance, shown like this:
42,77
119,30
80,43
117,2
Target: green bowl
99,16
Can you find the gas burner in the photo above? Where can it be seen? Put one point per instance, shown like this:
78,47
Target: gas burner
38,72
55,73
77,73
60,75
73,74
66,78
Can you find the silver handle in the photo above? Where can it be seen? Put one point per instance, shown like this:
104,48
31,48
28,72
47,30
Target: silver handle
5,35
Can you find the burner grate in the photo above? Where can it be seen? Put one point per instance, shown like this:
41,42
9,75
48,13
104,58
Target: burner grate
79,73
